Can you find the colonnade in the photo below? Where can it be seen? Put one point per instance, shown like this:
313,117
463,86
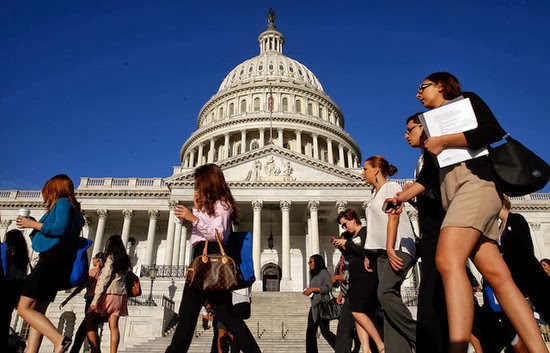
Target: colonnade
244,140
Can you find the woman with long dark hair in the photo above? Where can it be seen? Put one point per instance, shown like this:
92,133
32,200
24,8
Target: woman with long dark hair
54,237
319,283
470,227
214,209
110,300
362,283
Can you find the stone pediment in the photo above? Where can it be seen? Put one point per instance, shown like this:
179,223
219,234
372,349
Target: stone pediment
272,165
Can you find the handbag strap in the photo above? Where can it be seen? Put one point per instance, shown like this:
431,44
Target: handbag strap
218,238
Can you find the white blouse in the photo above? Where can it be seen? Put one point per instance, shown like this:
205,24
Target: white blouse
377,223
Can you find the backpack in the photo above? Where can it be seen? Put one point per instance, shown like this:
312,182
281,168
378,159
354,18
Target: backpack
239,248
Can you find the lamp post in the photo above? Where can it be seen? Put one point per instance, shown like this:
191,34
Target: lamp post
152,273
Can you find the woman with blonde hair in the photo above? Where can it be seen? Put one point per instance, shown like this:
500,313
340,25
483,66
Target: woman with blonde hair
54,236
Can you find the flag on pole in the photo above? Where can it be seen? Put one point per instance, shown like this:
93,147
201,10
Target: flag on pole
270,101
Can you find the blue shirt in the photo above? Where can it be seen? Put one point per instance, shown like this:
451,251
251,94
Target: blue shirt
61,221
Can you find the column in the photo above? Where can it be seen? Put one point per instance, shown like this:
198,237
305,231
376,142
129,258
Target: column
211,152
153,215
313,207
341,161
280,137
201,153
98,241
185,229
315,146
243,141
226,146
177,244
285,231
128,214
298,147
364,211
170,235
330,153
341,206
5,223
256,236
350,159
192,158
262,137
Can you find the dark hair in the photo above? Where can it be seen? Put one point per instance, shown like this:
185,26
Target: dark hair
318,265
546,261
449,83
211,186
115,247
57,187
18,251
382,164
348,214
101,257
414,118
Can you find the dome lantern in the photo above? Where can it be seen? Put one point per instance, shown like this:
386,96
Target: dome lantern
271,40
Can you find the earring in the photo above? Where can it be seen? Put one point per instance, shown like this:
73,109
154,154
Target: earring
376,178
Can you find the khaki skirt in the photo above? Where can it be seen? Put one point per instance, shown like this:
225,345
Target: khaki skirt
469,201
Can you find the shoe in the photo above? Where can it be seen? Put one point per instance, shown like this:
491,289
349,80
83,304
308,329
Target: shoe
65,344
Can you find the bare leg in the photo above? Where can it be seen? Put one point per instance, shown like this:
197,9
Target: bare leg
362,320
115,333
90,322
489,262
363,338
32,312
453,249
476,344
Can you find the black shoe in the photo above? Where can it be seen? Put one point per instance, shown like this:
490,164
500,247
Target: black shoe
65,344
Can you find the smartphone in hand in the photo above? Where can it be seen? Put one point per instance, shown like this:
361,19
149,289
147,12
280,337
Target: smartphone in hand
388,205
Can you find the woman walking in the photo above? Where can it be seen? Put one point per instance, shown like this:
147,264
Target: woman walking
470,226
391,236
214,209
110,300
319,283
54,237
362,283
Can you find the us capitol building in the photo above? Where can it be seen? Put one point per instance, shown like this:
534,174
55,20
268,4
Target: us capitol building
291,165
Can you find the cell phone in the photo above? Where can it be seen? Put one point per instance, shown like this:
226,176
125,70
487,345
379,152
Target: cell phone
332,239
388,205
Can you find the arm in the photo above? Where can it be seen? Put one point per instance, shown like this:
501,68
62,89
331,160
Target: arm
55,224
72,295
102,281
391,234
207,225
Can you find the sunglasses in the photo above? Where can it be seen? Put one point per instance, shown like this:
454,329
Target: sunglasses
423,86
409,129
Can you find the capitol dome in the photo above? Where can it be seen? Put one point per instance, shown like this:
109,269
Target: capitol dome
270,100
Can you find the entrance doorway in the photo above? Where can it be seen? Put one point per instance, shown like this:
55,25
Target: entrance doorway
271,278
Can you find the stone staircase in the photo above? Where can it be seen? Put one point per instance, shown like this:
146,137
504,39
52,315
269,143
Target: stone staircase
278,323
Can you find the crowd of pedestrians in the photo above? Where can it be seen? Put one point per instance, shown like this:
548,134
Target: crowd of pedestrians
462,216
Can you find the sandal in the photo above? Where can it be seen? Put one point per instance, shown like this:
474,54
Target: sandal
65,344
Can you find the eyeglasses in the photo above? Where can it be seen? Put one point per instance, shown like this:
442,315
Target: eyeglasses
311,262
345,225
423,86
411,128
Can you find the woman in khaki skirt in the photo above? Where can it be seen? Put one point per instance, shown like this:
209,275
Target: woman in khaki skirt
470,227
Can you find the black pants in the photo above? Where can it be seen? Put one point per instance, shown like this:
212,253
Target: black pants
311,333
432,329
346,333
191,303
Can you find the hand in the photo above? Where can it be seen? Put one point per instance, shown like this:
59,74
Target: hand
93,307
24,222
339,243
196,200
308,291
183,213
367,264
434,145
395,261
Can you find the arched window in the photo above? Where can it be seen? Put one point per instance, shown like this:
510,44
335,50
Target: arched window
285,104
231,108
220,116
321,113
310,109
298,106
243,106
256,104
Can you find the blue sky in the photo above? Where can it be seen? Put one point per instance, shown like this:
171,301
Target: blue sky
113,88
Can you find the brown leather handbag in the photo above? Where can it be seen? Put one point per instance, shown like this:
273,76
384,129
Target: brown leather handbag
212,272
